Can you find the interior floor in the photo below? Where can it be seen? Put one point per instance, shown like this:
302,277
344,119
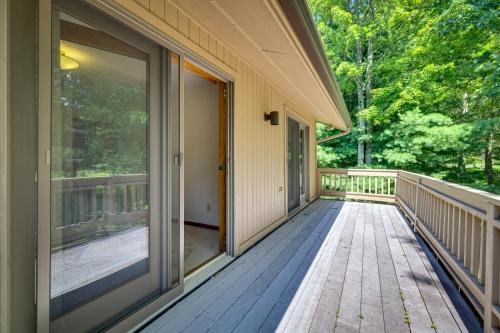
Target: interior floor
200,245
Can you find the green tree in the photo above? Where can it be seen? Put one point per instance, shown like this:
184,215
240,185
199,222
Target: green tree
434,63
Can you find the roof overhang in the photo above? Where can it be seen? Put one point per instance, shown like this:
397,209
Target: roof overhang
300,17
279,39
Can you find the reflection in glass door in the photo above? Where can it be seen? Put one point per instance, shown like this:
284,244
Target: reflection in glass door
107,240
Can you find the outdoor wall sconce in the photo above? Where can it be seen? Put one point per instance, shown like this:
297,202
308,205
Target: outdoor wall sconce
273,116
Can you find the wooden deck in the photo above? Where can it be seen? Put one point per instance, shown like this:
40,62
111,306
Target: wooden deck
337,266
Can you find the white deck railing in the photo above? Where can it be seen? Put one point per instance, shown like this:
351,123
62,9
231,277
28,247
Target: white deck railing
85,205
461,224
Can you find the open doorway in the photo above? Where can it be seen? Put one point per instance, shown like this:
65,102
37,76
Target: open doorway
204,167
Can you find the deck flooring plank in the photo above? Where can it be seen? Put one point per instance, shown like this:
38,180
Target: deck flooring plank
392,304
274,318
199,325
336,266
442,311
235,313
442,320
259,312
434,276
328,303
301,309
372,319
248,283
349,313
251,264
417,312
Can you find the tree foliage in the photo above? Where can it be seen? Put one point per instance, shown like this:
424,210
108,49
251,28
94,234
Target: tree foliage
429,74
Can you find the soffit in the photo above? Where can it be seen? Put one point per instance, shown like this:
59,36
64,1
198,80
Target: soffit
258,32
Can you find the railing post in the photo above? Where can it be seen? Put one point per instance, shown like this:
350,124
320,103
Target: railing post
417,191
319,186
491,286
109,199
491,280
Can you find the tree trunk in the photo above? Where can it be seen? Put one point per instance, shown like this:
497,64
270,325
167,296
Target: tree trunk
369,74
361,106
368,89
460,164
360,90
488,159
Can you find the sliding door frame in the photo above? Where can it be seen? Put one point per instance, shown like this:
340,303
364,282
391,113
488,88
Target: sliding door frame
154,306
303,124
156,236
44,130
5,289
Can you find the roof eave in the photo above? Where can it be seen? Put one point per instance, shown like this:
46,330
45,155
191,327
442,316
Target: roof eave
302,22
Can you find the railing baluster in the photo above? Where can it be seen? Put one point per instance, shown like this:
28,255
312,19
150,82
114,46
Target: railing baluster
482,246
124,199
93,204
476,246
81,207
456,230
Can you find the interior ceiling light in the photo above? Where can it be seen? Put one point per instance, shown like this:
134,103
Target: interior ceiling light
67,63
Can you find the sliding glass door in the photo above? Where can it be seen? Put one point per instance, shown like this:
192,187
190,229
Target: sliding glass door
113,163
297,157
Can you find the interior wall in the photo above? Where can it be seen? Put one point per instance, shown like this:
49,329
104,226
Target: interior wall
201,149
259,159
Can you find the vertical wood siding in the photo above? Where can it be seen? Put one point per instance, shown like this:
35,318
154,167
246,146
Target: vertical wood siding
259,156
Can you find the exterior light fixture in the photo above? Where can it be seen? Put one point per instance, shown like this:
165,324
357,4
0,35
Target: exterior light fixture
67,63
273,117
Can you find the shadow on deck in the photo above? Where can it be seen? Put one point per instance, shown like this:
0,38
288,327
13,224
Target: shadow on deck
336,266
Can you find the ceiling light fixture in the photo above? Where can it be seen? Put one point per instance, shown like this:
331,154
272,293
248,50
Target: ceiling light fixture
67,63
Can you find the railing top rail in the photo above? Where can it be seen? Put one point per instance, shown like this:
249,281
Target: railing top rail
360,172
474,198
89,182
437,184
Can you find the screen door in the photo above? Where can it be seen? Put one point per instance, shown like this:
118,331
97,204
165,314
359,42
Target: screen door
108,242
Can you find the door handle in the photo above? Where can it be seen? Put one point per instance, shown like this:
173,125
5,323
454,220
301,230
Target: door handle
178,159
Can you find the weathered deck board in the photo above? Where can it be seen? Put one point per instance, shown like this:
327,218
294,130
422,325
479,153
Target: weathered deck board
371,298
438,303
229,281
415,307
337,266
349,312
392,303
328,304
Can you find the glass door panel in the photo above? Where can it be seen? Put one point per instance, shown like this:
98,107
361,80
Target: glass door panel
175,159
293,164
303,160
297,157
105,171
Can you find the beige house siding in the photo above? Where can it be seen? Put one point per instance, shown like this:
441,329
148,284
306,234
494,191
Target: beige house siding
259,148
